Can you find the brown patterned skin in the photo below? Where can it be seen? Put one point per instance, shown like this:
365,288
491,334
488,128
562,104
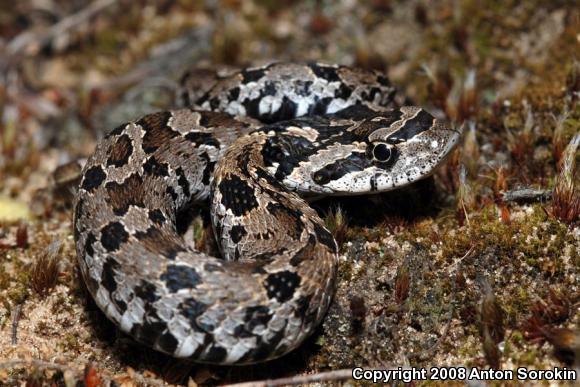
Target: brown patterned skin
278,271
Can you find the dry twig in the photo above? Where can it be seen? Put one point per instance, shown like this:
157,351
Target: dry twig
527,195
33,42
328,376
15,320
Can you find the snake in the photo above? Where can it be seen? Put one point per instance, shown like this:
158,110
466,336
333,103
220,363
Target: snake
257,146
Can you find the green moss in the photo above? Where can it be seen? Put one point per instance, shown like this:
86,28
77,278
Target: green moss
528,357
516,304
468,350
18,294
516,337
71,341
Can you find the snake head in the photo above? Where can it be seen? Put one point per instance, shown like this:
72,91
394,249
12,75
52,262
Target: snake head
378,151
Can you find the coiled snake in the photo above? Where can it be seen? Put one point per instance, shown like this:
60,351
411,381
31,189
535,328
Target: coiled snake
255,143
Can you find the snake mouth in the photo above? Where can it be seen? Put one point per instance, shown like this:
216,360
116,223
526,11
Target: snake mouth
453,138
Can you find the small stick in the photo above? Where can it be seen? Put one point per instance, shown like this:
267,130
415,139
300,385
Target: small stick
328,376
15,320
35,363
23,41
527,195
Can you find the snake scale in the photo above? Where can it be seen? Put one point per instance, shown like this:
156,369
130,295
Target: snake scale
257,143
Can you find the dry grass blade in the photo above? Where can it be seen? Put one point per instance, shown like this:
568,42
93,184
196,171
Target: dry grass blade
566,197
465,197
44,272
554,309
337,224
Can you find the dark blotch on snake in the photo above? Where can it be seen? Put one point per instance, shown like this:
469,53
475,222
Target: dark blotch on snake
157,133
302,87
203,138
113,235
234,94
289,217
241,332
77,215
171,192
269,89
159,241
119,303
167,342
154,167
156,216
91,239
237,233
344,92
420,123
264,349
148,331
384,81
305,311
302,303
286,111
120,152
117,131
325,72
180,277
305,253
356,161
182,181
125,194
192,309
272,152
146,291
321,106
257,316
281,285
208,169
216,354
253,75
94,177
108,277
237,195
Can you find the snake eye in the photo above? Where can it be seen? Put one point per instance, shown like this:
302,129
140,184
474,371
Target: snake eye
382,152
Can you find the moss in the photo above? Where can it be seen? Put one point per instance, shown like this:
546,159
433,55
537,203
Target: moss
71,341
529,357
517,303
18,294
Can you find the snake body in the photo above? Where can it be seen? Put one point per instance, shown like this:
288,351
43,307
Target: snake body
255,143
